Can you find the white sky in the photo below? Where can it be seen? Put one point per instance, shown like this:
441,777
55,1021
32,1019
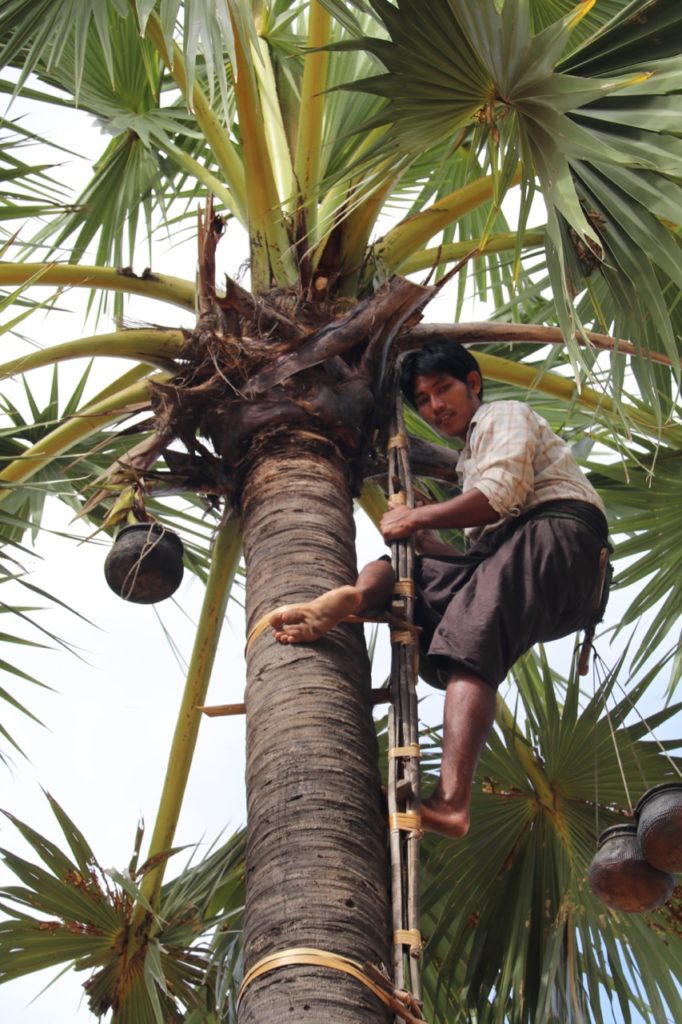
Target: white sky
111,716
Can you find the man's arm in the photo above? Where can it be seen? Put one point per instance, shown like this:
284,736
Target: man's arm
469,509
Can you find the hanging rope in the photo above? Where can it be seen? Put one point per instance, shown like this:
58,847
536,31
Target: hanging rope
403,733
600,673
605,670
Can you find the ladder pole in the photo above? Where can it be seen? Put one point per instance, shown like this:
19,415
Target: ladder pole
405,729
395,740
411,722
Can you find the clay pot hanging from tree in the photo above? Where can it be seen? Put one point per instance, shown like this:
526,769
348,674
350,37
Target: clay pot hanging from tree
621,877
145,563
659,826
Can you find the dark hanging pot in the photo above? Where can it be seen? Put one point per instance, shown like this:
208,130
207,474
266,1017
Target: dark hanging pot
145,563
659,826
621,877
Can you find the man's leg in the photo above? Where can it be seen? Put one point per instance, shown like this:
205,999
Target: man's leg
467,721
305,623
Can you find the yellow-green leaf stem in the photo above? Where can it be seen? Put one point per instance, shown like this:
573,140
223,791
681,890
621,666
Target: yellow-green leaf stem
153,286
271,255
508,372
372,501
341,198
224,564
357,230
150,346
203,175
275,134
216,135
126,380
401,242
524,752
8,300
77,428
309,138
506,241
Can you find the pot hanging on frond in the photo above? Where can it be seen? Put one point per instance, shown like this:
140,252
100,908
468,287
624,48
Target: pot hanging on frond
145,563
622,878
659,826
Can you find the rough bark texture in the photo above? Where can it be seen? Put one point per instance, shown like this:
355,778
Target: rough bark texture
316,855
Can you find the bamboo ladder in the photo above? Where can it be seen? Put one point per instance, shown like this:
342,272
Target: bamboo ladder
403,733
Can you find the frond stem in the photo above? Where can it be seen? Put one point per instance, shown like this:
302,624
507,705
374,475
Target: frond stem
224,563
493,332
215,134
400,243
532,767
151,346
309,137
153,286
271,254
77,427
426,259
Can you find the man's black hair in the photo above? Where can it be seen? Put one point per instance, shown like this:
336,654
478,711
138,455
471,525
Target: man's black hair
440,356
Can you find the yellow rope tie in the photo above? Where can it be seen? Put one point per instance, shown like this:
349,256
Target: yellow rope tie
309,957
412,750
405,821
408,937
396,625
404,588
407,635
397,441
404,635
399,498
259,628
264,622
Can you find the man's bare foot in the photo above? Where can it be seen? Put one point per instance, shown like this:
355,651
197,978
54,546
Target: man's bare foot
439,816
305,623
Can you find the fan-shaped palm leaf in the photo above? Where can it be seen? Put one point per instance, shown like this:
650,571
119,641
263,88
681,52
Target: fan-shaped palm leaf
471,63
73,910
547,783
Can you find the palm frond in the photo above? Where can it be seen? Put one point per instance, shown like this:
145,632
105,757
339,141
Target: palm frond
14,677
37,34
587,141
644,521
71,910
522,869
27,189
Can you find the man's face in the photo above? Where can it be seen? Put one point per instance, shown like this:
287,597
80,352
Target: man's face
447,403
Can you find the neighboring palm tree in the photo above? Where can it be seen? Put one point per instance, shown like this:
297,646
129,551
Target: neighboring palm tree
304,122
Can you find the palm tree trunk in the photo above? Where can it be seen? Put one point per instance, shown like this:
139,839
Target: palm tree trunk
316,858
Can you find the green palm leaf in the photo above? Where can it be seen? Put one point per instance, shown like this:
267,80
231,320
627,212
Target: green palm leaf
27,189
470,63
644,514
75,911
521,872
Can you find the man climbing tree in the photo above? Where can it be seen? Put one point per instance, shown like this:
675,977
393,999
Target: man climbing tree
534,571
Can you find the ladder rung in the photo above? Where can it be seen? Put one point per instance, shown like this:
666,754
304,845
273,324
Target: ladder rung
403,790
381,695
220,710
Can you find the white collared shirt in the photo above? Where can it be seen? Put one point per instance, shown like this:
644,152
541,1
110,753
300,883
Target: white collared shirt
517,461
